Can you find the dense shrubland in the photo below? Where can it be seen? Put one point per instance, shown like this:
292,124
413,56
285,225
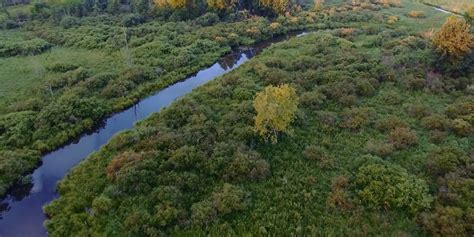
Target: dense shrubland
72,98
381,145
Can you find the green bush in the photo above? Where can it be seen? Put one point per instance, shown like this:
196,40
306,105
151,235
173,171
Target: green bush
24,48
402,137
207,19
61,67
69,22
390,186
445,159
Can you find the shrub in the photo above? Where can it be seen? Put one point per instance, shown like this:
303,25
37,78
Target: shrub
229,198
402,137
320,154
130,20
445,159
69,22
437,136
9,24
246,164
454,37
379,148
389,123
418,110
24,48
435,122
339,197
445,221
225,200
462,127
355,118
61,67
392,20
119,161
390,186
312,99
101,204
203,213
416,14
207,19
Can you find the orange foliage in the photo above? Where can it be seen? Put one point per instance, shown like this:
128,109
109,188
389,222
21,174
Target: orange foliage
454,37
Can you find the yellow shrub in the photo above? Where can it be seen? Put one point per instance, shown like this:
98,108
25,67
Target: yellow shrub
454,38
416,14
392,19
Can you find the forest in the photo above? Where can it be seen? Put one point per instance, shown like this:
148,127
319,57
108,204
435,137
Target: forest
363,125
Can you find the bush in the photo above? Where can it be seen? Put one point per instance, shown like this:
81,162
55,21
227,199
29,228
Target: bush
462,127
418,110
454,38
246,165
402,137
69,22
416,14
379,148
61,67
445,159
339,197
445,221
24,48
320,154
229,198
207,19
389,123
9,24
225,200
356,118
390,186
435,122
132,20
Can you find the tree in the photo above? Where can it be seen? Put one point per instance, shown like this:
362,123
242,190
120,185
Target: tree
318,4
276,107
221,4
278,6
454,37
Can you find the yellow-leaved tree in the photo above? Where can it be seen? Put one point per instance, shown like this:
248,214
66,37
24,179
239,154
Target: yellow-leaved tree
454,38
174,4
278,6
276,108
221,4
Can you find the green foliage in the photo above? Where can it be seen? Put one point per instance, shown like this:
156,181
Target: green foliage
23,48
197,168
389,186
276,108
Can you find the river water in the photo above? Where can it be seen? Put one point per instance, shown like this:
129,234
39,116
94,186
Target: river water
21,211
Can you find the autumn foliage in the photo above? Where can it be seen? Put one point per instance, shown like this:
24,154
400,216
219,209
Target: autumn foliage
454,37
276,107
221,4
278,6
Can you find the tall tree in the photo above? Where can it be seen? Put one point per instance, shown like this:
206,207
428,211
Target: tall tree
276,108
222,4
278,6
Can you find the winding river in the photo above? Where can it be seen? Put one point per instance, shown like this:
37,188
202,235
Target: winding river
21,211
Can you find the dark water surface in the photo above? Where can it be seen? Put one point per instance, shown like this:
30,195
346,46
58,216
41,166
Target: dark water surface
21,211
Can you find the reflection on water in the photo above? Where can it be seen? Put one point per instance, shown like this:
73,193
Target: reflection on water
21,211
